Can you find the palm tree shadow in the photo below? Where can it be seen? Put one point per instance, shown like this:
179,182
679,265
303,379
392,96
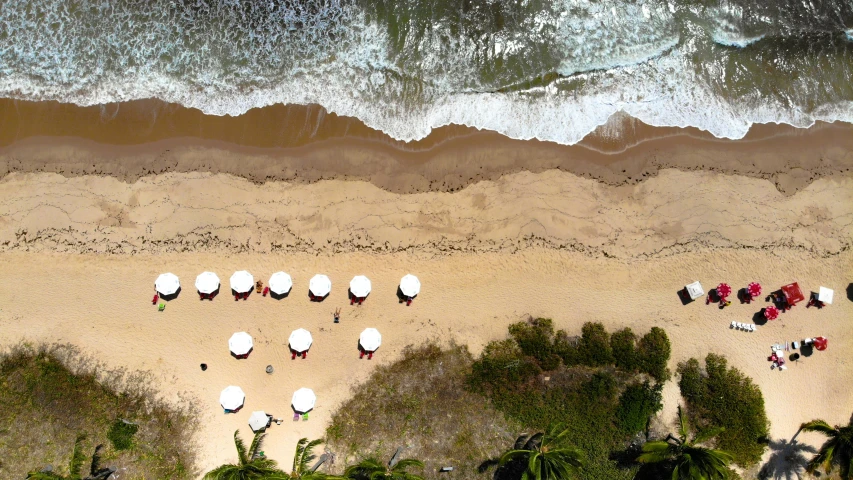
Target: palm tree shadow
787,461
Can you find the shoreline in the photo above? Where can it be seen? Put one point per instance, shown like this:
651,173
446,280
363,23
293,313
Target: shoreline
303,144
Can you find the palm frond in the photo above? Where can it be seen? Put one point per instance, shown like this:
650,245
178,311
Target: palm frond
819,426
257,443
242,458
298,463
408,462
513,455
77,457
708,434
655,452
520,442
44,476
683,427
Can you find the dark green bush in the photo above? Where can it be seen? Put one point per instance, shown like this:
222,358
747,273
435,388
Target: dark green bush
623,343
121,434
724,397
638,403
653,354
535,339
594,346
501,365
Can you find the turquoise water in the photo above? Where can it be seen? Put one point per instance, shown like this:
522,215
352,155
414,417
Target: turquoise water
552,70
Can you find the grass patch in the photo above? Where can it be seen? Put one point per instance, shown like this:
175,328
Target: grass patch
52,394
718,396
603,406
421,403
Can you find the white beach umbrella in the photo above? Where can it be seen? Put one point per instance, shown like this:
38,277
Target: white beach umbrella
232,398
320,285
240,343
410,285
242,281
303,400
167,284
258,420
359,286
370,339
280,283
207,282
300,340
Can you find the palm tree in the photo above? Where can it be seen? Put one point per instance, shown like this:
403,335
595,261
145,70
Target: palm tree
251,463
372,469
542,456
837,450
76,464
687,459
303,456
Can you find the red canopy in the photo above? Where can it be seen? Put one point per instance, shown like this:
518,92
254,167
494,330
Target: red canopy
820,343
771,313
793,294
724,290
754,289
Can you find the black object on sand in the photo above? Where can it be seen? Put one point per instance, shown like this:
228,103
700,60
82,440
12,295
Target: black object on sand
203,367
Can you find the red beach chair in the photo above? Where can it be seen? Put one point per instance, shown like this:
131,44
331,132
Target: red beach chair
154,301
304,354
246,296
266,291
370,355
361,354
293,354
408,301
202,296
236,297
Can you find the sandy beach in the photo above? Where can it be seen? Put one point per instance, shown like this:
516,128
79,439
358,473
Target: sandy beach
496,229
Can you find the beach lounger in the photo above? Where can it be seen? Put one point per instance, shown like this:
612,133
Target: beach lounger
154,301
304,354
293,354
782,367
751,327
236,297
246,296
370,355
296,417
161,307
305,417
795,345
361,354
266,291
734,324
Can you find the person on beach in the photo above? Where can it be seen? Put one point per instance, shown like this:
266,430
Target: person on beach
337,315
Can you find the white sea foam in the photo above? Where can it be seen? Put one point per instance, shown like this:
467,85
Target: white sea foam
630,61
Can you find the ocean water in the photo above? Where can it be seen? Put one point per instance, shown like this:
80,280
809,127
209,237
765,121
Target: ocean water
547,69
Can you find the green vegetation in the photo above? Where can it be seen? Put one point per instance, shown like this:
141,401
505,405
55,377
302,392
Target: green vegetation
836,451
251,463
75,465
121,434
542,456
719,396
587,391
57,401
372,469
302,459
685,459
421,403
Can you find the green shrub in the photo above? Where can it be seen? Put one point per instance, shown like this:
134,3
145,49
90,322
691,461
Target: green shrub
623,343
501,365
121,434
653,354
535,339
724,397
638,403
594,346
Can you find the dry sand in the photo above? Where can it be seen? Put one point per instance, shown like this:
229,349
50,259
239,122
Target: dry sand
81,254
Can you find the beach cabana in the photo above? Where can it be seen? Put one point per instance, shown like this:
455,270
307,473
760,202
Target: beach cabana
822,298
410,287
359,289
694,290
369,340
771,313
300,341
319,287
792,295
207,284
280,283
259,420
232,399
242,283
303,400
820,343
167,284
240,344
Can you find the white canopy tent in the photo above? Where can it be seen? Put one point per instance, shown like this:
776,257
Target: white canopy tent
410,285
242,281
240,343
370,339
695,290
300,340
280,283
360,286
207,282
232,398
167,284
824,295
320,285
258,420
303,400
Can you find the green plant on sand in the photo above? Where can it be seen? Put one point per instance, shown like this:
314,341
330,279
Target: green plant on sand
251,463
837,450
687,459
372,469
303,456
